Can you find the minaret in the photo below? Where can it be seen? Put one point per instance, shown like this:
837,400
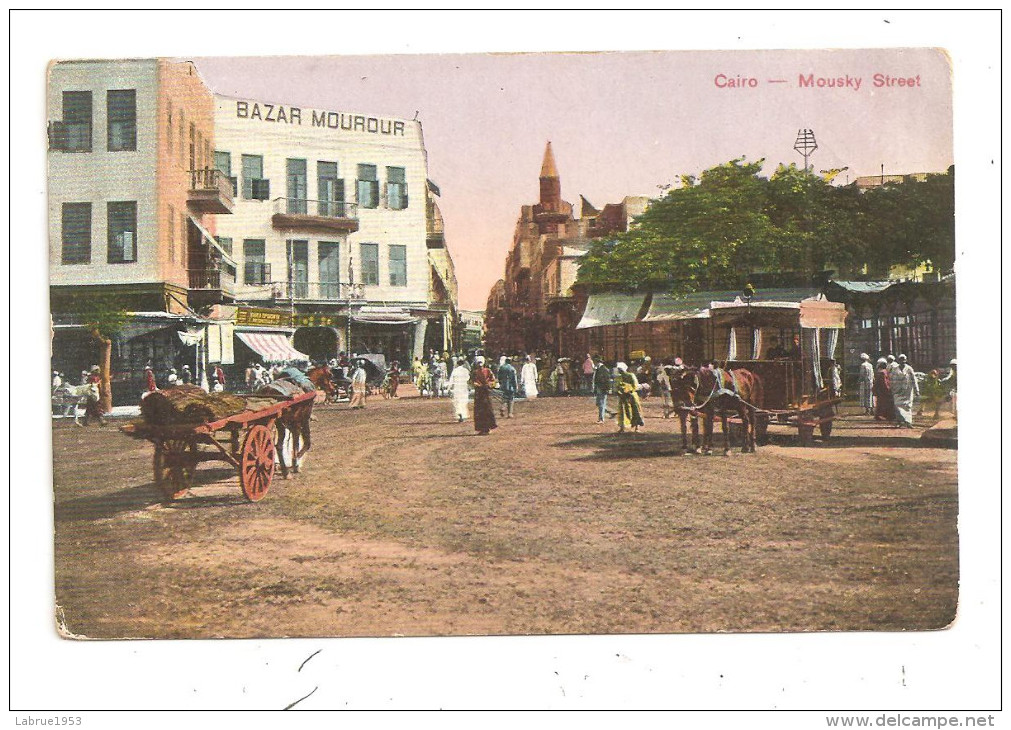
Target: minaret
551,185
548,213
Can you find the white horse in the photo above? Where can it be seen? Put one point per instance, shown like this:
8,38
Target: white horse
69,397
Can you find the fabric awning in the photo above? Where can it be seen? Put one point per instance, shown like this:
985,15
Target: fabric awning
694,305
212,241
864,287
383,315
610,308
271,346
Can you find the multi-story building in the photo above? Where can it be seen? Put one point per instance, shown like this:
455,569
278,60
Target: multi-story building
335,223
535,308
207,219
131,187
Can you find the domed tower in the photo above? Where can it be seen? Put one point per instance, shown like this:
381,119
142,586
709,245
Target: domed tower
549,212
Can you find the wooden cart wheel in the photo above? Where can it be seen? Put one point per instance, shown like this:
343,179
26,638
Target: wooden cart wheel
806,431
173,466
256,463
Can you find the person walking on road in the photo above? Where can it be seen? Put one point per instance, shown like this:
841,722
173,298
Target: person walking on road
459,388
904,389
358,385
884,408
588,369
93,408
484,381
629,407
528,378
866,384
663,383
602,382
508,384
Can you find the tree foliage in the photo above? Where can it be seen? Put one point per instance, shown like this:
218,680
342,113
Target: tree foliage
730,222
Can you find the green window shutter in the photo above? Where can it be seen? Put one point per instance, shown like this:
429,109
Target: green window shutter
122,117
76,233
122,230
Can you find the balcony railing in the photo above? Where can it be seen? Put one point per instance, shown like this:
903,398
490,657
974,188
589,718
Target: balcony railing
317,291
211,191
221,279
321,215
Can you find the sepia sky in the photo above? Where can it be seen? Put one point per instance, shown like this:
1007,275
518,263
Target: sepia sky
620,123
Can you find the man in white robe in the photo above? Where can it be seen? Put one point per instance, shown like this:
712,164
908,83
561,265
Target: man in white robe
459,388
866,384
904,388
528,378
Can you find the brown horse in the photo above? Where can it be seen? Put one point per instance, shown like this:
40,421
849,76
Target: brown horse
717,393
322,378
683,386
294,421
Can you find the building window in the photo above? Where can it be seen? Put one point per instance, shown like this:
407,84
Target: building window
396,188
368,187
370,263
298,269
254,187
329,269
169,135
223,164
193,147
331,190
77,121
76,233
398,265
225,243
122,109
182,135
256,270
297,186
122,232
184,238
172,234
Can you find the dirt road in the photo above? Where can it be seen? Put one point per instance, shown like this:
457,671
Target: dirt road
404,522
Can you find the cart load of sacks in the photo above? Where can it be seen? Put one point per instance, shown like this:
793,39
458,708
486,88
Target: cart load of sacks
189,404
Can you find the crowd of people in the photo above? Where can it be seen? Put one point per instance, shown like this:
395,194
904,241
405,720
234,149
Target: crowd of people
888,389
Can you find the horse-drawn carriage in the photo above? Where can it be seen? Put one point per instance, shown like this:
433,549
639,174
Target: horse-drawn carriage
252,441
798,389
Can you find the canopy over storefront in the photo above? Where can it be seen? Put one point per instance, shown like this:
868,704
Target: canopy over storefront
384,315
666,307
271,346
608,308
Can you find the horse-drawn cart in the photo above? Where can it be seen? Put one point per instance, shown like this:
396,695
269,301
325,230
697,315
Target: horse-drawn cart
798,388
793,385
248,440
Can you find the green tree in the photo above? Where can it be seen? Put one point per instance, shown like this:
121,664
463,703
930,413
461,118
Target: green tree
715,230
103,316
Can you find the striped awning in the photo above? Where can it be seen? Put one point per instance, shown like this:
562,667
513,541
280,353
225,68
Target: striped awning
271,346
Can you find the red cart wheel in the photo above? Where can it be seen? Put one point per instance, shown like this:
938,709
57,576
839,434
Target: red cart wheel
173,467
256,463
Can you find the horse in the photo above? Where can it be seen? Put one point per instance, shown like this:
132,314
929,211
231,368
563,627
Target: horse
712,393
69,397
683,386
322,378
294,421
